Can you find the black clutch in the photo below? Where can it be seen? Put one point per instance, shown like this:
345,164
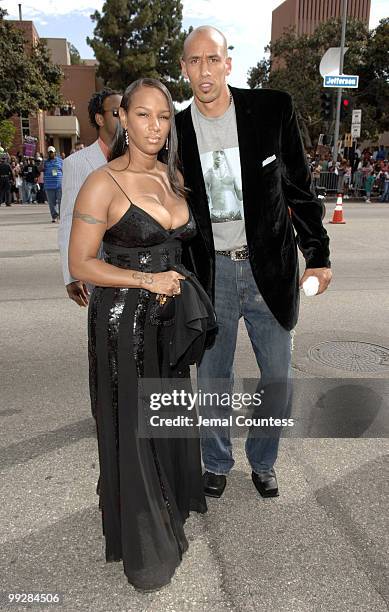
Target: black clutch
163,310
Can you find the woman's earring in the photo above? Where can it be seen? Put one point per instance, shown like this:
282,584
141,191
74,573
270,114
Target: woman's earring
167,143
126,136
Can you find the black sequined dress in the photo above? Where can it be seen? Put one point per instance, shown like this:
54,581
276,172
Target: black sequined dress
147,486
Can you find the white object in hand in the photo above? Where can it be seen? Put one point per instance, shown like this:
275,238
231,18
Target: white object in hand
311,286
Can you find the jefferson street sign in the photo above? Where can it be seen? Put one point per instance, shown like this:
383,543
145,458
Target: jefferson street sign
341,80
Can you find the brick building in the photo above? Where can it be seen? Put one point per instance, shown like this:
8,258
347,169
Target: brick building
305,15
62,127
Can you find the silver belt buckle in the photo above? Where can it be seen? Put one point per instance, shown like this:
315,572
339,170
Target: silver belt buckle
238,254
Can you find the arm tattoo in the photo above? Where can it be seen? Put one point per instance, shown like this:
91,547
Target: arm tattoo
87,218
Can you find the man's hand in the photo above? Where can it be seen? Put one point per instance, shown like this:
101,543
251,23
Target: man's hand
78,292
324,276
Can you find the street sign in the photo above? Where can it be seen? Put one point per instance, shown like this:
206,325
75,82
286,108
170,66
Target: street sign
341,80
356,130
330,61
357,116
348,140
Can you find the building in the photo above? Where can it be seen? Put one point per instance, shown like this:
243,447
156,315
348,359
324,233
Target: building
29,125
305,15
71,124
61,127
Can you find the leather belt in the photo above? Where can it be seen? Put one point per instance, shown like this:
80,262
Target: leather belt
235,254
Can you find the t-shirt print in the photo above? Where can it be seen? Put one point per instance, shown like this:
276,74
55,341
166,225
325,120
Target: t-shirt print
223,184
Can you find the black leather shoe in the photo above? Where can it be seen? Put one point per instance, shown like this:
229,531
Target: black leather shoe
266,483
214,484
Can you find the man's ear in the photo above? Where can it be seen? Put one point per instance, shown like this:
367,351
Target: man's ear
228,65
183,69
99,119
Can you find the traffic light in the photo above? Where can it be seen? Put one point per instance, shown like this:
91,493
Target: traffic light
326,106
345,108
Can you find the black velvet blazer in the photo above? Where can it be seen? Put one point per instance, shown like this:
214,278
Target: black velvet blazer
267,126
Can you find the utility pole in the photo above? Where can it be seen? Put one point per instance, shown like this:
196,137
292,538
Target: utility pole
339,98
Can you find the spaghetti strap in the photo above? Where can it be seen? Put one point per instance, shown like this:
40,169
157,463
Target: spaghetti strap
121,189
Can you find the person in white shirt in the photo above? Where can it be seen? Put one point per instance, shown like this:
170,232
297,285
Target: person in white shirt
103,111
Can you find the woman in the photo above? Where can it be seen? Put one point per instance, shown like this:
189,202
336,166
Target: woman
135,205
369,184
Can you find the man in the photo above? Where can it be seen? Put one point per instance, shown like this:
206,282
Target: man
383,177
381,153
6,177
52,176
248,265
103,109
30,173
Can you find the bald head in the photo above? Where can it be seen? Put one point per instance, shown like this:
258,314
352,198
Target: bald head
209,32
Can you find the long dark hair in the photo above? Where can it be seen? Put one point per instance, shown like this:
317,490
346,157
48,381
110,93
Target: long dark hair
119,146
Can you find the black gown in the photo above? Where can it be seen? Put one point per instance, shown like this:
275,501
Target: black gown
148,486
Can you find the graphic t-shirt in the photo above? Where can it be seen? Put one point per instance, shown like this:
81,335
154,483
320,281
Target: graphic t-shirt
217,141
30,172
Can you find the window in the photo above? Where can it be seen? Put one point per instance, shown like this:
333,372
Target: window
25,125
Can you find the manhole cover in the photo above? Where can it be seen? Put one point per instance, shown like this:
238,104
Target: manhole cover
351,356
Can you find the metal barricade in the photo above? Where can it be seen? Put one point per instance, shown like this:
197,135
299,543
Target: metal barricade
334,183
330,181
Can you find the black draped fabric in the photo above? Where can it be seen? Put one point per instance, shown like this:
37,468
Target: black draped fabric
148,486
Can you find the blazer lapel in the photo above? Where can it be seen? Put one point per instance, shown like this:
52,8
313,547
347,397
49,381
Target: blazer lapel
249,149
193,174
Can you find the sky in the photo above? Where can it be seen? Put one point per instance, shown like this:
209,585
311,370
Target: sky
246,23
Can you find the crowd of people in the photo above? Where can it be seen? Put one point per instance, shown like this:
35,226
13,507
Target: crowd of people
356,172
30,180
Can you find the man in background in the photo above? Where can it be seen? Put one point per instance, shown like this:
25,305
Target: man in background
6,177
103,109
30,174
52,169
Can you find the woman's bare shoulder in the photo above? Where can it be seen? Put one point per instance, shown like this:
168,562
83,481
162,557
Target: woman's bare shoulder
97,189
98,179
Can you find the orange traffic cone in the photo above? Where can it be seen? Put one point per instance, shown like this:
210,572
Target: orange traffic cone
337,217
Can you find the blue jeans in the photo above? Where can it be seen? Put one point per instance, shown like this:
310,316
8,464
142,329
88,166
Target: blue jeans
54,199
385,193
236,296
27,192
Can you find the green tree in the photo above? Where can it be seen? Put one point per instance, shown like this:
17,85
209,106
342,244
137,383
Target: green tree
75,57
29,80
7,133
138,38
293,65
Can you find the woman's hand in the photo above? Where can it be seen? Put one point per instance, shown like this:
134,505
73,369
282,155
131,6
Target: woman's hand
164,283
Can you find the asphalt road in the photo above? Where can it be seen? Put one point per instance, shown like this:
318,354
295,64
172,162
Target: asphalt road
322,545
